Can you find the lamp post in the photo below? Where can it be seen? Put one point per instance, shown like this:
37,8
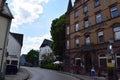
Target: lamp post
112,74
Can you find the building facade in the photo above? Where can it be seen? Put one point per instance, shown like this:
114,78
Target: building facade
5,22
14,47
90,24
44,49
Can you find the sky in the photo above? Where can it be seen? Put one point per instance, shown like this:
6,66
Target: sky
33,19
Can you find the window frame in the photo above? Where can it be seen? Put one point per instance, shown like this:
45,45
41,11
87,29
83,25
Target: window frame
116,31
112,10
98,18
97,3
77,42
86,39
100,34
86,23
76,26
85,9
76,14
68,30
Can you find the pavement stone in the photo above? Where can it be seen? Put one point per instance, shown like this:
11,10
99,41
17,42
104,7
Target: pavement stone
22,74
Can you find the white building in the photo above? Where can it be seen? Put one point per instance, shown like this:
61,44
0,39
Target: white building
14,47
45,49
5,22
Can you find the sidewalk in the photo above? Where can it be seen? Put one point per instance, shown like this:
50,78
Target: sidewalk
21,75
84,77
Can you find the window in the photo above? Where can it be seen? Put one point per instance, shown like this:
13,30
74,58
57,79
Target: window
97,3
78,62
85,9
102,61
114,11
77,42
118,60
68,44
87,39
100,37
86,23
85,0
76,27
14,62
76,14
117,33
98,18
68,30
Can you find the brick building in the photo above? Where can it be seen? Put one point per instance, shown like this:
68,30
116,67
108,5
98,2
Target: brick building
90,24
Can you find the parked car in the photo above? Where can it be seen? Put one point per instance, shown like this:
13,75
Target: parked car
11,69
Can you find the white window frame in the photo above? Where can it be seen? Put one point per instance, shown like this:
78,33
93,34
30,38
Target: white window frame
76,14
68,30
85,9
68,44
117,30
87,39
98,18
100,34
86,23
114,9
77,42
76,27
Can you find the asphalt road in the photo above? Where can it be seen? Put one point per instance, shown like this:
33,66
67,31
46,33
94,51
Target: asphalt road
43,74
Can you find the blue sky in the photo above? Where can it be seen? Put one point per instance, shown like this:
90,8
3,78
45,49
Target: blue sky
33,18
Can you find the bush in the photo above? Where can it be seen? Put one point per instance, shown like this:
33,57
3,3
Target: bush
50,66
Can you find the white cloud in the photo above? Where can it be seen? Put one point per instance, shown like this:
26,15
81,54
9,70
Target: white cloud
33,43
26,11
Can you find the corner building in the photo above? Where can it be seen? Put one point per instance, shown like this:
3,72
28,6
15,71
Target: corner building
90,24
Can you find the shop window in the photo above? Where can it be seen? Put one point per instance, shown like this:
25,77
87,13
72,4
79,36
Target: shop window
118,61
103,61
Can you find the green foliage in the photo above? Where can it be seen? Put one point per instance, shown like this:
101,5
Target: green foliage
51,66
58,36
32,57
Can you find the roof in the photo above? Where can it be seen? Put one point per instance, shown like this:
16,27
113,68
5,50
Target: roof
6,11
46,42
18,37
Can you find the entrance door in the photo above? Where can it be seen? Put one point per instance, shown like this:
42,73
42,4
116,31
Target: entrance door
88,62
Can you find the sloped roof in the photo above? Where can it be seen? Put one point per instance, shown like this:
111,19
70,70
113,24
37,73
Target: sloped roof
46,42
6,11
18,37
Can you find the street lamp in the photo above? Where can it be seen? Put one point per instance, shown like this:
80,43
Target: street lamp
112,76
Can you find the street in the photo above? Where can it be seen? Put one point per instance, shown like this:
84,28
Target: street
43,74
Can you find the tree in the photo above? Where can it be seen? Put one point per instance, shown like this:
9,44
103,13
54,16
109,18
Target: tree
33,57
58,36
